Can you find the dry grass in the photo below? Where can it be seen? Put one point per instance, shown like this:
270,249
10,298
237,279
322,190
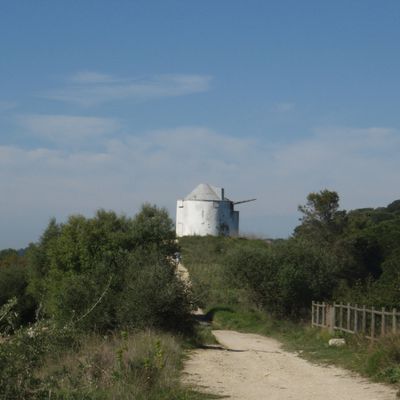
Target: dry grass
126,365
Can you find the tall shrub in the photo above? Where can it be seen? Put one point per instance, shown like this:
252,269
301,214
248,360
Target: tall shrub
110,271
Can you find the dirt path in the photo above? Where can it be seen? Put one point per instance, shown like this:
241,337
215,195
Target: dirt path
253,367
183,274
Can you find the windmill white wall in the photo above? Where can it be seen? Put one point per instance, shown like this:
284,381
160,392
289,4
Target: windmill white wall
206,211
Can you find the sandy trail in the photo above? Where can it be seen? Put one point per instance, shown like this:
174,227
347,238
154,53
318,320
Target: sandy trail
253,367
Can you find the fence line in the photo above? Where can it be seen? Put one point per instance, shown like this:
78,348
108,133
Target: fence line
353,319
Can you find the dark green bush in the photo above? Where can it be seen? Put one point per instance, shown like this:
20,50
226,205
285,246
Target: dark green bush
110,271
154,297
285,277
13,283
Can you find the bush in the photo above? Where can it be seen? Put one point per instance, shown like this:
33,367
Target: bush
13,283
154,297
255,270
285,277
22,354
110,272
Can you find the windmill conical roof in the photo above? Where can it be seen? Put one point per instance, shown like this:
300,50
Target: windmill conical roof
204,191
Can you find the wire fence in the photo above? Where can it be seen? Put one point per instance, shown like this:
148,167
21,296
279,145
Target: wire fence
371,322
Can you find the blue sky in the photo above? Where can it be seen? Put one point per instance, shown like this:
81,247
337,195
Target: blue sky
109,104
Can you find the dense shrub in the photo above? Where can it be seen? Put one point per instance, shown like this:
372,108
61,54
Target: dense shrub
255,270
153,296
13,284
110,271
284,278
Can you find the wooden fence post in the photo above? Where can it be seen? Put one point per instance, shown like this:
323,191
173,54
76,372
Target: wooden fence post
356,319
383,319
323,314
341,315
372,322
364,320
348,316
331,318
312,313
394,321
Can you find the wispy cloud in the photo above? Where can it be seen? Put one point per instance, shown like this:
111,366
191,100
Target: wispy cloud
92,88
66,128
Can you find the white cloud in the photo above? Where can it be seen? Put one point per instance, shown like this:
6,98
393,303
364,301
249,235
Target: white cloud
161,166
67,128
361,164
92,88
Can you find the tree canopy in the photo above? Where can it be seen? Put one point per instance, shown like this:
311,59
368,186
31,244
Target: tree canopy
122,265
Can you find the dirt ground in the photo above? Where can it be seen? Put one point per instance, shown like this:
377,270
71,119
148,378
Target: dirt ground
253,367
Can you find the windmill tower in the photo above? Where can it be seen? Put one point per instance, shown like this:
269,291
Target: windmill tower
206,211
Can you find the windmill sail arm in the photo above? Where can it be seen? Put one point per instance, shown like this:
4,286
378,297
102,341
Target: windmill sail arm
244,201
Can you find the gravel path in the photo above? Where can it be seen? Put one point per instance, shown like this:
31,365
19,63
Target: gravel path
253,367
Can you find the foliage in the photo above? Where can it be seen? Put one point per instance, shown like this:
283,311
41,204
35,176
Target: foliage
153,296
13,284
284,278
321,217
45,362
281,277
8,316
153,229
10,257
333,255
321,207
205,259
23,353
121,265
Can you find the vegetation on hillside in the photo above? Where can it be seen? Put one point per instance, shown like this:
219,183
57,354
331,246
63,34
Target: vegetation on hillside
333,255
95,310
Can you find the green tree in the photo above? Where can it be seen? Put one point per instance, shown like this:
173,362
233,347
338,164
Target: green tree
153,229
82,270
321,219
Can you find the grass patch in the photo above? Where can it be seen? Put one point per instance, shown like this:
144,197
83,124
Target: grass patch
204,257
243,321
